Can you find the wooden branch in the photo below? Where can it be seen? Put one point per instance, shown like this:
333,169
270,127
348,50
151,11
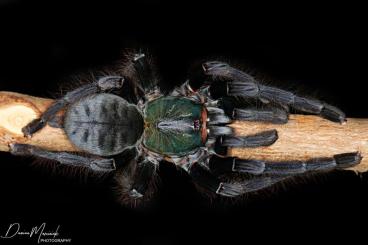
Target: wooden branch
303,137
16,110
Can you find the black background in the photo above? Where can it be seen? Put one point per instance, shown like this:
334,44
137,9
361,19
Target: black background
318,50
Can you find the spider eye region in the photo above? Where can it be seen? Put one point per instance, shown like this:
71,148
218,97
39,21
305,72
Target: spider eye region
173,125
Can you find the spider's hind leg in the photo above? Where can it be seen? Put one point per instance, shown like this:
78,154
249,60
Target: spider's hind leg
93,162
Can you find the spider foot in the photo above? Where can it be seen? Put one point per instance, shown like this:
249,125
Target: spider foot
333,113
20,149
33,127
134,194
347,160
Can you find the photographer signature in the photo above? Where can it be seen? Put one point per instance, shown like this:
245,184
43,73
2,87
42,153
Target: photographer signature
39,232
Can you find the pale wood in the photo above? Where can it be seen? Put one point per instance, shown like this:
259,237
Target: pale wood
303,137
16,110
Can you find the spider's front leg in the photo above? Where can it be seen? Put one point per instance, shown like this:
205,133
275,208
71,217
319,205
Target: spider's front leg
260,174
103,84
223,80
205,178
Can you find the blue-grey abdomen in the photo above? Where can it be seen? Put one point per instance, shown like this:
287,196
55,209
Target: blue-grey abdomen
103,124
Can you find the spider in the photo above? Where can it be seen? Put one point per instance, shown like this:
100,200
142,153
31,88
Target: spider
188,127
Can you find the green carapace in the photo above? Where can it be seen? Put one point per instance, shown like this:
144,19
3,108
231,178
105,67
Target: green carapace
174,126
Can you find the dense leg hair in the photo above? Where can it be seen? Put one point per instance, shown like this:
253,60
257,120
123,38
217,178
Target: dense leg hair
94,163
140,72
240,84
136,183
261,139
224,141
210,182
144,173
272,115
220,165
261,174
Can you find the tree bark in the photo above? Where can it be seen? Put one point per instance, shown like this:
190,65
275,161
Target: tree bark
303,137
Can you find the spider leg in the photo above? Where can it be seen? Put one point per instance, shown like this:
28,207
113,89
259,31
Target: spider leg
241,84
272,115
264,174
265,138
220,165
210,182
144,72
56,121
224,140
103,84
142,178
140,76
92,162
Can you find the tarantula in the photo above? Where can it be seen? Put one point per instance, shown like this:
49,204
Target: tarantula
188,127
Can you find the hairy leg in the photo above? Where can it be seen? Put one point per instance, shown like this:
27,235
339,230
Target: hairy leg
210,182
220,165
261,139
240,84
93,162
140,74
142,178
272,115
261,174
